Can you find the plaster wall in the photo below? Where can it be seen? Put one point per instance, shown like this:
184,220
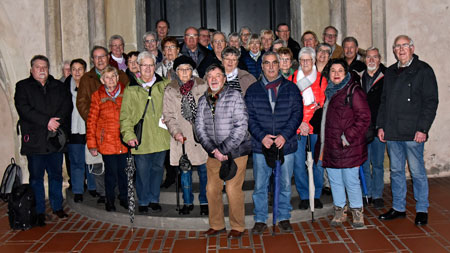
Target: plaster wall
314,17
359,22
121,19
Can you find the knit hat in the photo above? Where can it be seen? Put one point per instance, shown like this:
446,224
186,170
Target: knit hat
183,60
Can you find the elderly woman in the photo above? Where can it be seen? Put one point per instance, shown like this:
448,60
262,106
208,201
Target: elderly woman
150,151
103,135
133,67
309,39
237,78
343,148
253,58
267,38
277,44
312,86
221,124
180,110
151,45
117,58
323,55
285,61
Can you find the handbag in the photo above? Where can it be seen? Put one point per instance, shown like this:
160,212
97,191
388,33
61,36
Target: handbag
140,125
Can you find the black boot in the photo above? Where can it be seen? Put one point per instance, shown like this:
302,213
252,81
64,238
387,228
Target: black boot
204,210
186,209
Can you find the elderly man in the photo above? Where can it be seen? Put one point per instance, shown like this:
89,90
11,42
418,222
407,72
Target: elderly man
221,124
236,78
117,58
330,34
275,112
350,45
218,43
372,81
204,37
283,32
407,111
191,48
44,106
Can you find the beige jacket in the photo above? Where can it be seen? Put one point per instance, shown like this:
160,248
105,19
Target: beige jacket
177,124
245,80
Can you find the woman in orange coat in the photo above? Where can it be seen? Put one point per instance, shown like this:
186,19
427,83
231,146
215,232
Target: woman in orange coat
103,135
312,86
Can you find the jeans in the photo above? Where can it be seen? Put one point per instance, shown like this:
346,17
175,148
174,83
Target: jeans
399,152
186,184
342,180
79,169
375,176
115,175
261,174
37,165
149,174
301,172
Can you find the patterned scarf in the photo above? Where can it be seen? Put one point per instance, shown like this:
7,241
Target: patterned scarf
272,86
333,88
188,105
115,93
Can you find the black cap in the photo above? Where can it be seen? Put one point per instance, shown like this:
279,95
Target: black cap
183,60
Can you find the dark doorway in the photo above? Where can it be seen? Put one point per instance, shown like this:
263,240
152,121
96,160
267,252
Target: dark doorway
224,15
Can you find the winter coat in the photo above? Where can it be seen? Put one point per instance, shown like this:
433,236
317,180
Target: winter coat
409,101
319,95
36,105
253,67
285,119
102,132
226,130
345,121
294,47
176,123
154,138
89,84
245,80
338,52
205,58
113,62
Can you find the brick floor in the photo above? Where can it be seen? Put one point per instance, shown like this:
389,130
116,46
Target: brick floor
83,234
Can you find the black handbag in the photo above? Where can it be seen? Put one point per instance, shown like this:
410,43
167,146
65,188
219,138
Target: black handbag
140,125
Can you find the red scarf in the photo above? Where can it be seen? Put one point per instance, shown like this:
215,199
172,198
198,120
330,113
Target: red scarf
185,88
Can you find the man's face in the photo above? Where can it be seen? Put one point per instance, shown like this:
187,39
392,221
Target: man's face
150,43
170,51
204,38
230,62
283,32
330,36
100,59
77,71
116,48
350,50
372,60
216,79
245,35
66,70
191,38
39,71
267,41
309,40
147,69
218,43
403,51
162,30
234,42
270,67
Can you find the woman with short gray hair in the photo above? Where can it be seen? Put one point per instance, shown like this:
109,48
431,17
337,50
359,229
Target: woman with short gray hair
151,45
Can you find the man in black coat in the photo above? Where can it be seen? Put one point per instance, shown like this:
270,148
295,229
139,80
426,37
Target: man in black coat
408,108
283,32
191,48
44,106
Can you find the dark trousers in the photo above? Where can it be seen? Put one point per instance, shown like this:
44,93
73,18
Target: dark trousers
115,175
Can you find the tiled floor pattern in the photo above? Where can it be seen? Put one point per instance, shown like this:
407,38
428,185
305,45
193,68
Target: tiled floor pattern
82,234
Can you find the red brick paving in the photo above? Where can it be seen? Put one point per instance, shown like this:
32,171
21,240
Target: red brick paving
83,234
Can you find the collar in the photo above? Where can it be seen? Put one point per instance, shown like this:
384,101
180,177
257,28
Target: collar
399,65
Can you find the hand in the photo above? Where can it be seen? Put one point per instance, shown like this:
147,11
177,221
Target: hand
381,135
219,156
304,129
267,141
344,144
133,143
53,124
420,137
179,137
93,151
280,141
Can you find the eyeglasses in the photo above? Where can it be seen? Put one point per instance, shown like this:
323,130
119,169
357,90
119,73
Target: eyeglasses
404,46
150,41
191,35
218,41
170,47
324,51
147,65
283,31
115,46
305,60
132,62
274,63
230,59
184,70
97,57
285,59
330,35
246,34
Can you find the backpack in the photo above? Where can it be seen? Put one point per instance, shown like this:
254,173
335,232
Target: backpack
12,178
22,208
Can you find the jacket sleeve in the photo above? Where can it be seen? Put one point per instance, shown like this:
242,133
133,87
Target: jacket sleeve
361,114
240,127
296,113
430,101
127,116
253,125
26,110
91,123
200,127
64,111
169,112
382,109
83,98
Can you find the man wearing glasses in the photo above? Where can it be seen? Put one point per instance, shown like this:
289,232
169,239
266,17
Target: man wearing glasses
283,32
191,48
275,109
117,58
408,107
330,34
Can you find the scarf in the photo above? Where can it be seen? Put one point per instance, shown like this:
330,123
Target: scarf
233,80
232,75
333,88
115,93
147,84
304,84
188,105
212,98
255,56
272,86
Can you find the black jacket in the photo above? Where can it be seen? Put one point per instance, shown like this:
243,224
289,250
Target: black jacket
409,101
294,46
36,104
374,94
205,58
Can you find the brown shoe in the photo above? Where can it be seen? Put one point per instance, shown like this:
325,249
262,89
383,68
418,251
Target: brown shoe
259,228
234,234
212,232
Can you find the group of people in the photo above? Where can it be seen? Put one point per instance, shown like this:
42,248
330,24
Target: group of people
218,99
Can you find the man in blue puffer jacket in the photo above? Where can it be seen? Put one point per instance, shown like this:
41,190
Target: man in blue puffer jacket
275,109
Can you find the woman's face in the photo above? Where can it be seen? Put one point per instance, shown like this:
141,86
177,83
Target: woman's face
150,43
77,71
254,46
147,69
323,54
170,51
285,62
184,72
337,73
306,62
133,65
230,62
110,80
